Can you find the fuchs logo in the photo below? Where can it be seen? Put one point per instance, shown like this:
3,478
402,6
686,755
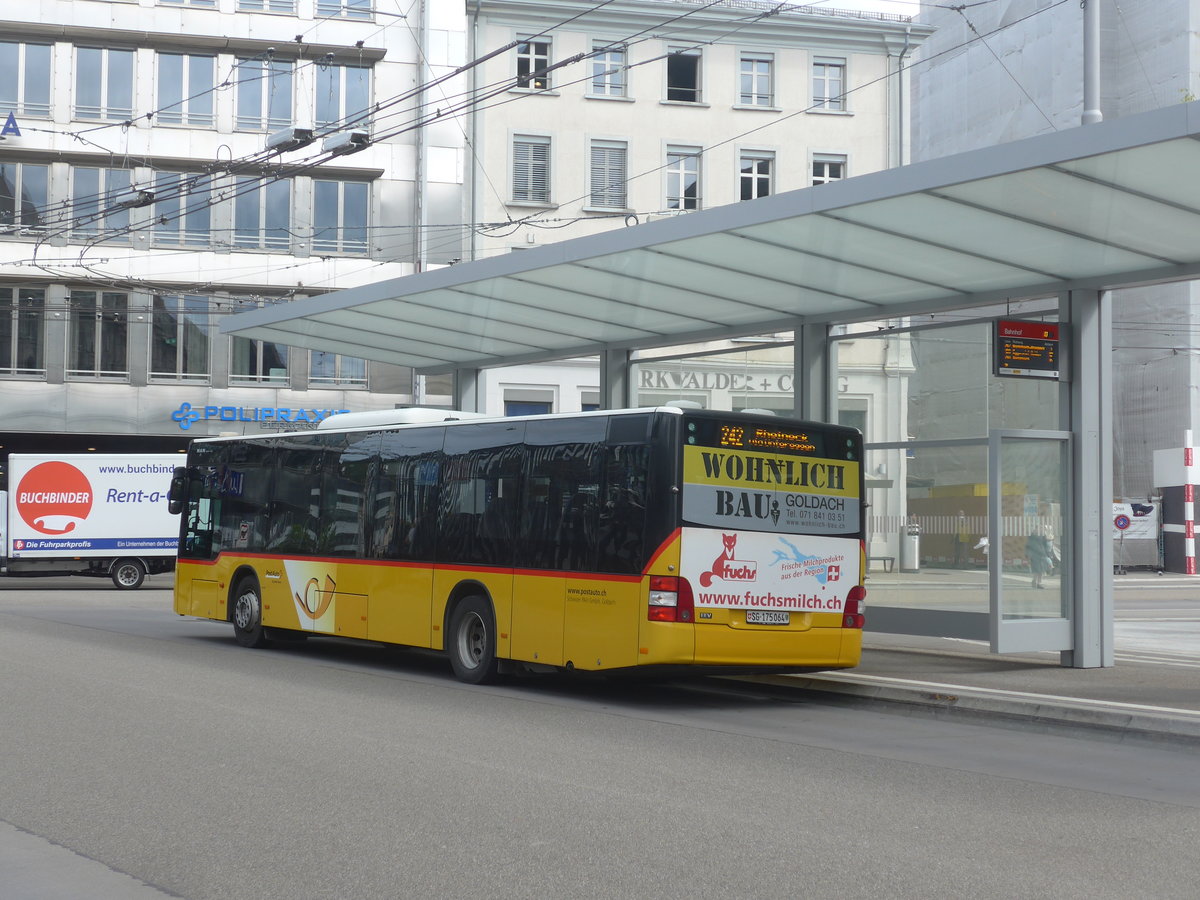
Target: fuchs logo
54,497
727,568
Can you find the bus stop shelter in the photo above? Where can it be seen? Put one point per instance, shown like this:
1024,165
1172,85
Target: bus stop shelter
1068,216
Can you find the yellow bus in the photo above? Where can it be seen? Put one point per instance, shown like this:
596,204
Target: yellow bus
645,539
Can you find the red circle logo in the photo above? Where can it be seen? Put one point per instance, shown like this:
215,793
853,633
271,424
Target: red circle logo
54,497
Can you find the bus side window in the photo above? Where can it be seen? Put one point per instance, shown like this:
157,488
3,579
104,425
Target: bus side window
622,527
404,495
564,463
478,502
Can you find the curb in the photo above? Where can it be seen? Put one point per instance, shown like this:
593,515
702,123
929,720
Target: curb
1155,722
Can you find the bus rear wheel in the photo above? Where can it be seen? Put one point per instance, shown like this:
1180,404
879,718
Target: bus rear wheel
128,574
472,641
247,615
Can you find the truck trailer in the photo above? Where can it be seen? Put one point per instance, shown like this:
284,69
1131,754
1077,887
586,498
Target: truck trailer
95,514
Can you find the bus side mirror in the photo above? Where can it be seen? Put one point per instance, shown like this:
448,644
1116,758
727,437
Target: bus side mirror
178,492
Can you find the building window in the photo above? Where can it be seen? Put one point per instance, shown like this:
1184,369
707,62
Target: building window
608,174
264,94
330,369
527,408
683,74
23,197
829,84
179,338
828,167
208,4
347,9
756,84
185,89
262,214
531,169
757,169
533,58
25,79
340,216
275,6
98,343
258,362
608,69
343,96
103,83
22,331
181,209
683,178
101,200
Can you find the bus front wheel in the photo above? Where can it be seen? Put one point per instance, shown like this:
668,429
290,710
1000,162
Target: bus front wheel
472,643
247,615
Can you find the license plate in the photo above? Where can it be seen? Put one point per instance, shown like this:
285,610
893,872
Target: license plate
767,617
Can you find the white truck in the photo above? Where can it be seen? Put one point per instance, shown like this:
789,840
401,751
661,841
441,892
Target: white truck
89,514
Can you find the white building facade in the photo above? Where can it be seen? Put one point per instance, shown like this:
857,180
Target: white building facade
596,118
140,204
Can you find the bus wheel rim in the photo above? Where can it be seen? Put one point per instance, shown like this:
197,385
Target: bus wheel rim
471,639
245,611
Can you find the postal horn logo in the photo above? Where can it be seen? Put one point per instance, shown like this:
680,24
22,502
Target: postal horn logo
54,497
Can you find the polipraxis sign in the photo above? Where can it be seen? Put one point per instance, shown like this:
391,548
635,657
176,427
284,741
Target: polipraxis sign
272,418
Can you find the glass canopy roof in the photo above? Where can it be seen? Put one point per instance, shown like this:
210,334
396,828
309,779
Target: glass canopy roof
1100,206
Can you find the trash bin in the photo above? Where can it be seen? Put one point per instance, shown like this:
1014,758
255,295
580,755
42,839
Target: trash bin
910,548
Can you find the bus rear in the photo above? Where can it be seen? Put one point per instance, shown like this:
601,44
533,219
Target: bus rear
765,568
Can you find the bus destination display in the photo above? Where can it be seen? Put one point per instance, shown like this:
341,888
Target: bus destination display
1027,349
759,438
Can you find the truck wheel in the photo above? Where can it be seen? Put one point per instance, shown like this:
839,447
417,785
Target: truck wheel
472,644
128,574
247,615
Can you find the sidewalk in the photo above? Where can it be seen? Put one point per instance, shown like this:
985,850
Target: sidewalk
1148,698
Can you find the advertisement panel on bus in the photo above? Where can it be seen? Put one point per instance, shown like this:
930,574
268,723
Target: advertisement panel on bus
780,517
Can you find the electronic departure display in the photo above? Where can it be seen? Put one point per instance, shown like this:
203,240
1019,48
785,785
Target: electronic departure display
1027,349
780,439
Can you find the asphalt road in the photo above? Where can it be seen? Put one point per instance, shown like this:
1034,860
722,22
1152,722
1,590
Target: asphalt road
144,754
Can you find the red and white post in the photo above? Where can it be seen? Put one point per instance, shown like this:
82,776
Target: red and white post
1189,505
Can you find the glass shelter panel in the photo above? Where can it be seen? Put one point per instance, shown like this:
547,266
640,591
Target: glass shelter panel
936,384
927,516
966,477
1033,497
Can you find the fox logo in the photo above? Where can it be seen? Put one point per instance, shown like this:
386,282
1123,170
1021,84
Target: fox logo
723,566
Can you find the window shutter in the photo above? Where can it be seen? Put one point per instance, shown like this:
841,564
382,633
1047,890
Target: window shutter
608,175
531,171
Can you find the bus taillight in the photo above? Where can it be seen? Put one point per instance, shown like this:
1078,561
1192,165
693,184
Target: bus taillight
852,615
670,599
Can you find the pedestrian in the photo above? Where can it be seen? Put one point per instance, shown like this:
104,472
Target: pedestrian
1037,548
962,540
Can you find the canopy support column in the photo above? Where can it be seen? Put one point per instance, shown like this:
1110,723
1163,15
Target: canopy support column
616,392
467,394
810,392
1089,315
